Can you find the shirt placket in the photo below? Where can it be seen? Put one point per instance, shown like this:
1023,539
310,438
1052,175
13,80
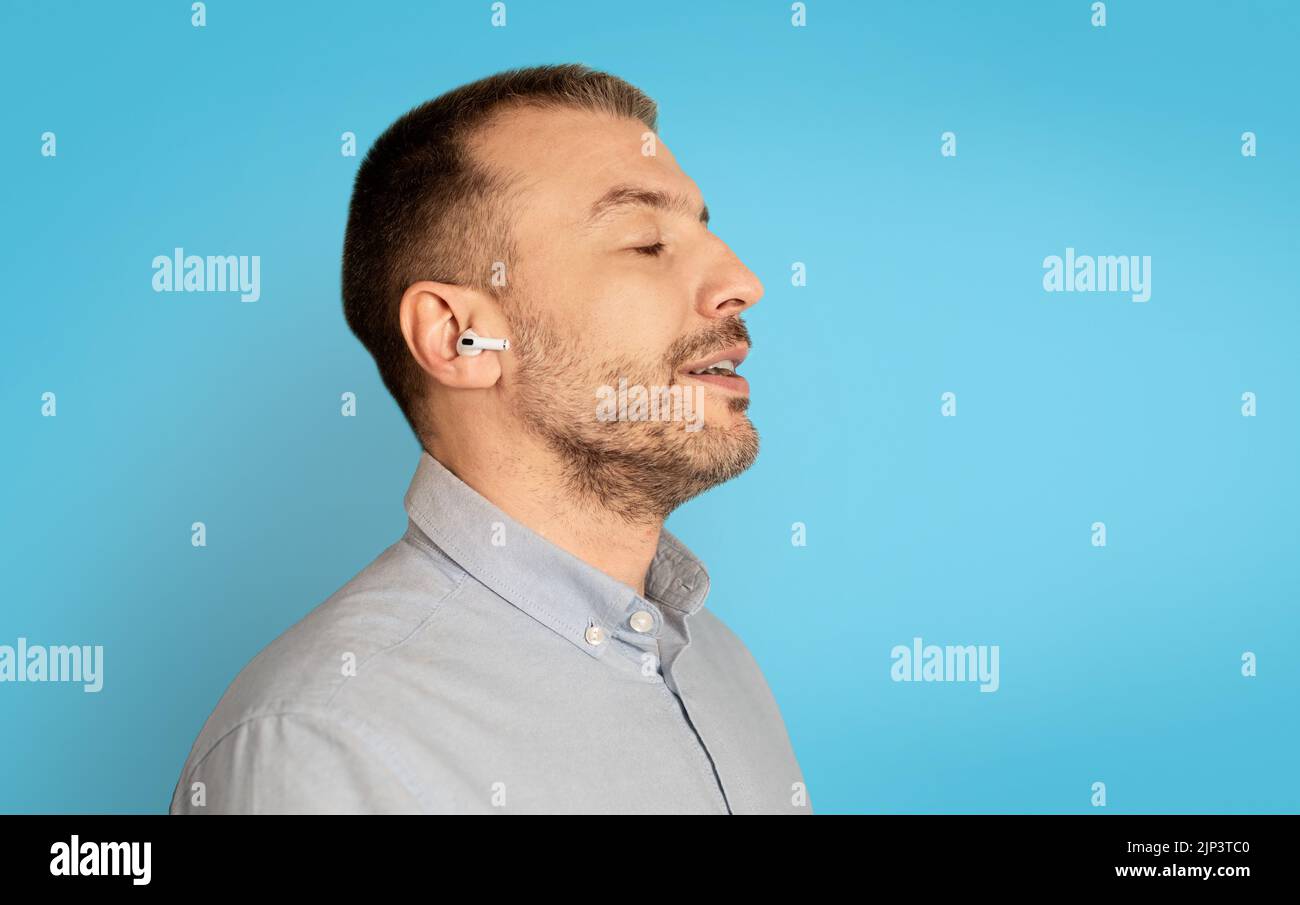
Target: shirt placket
635,645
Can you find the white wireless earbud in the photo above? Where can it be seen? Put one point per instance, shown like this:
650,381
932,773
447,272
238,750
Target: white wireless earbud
470,343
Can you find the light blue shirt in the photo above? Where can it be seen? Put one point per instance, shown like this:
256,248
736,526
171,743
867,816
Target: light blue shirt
475,667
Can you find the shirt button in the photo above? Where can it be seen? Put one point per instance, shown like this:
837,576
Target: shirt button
642,621
595,634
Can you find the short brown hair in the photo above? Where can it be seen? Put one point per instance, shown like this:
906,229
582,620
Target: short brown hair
423,208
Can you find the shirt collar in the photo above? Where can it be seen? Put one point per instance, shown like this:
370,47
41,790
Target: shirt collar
550,584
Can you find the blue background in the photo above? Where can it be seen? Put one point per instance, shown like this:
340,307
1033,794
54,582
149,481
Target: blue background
820,144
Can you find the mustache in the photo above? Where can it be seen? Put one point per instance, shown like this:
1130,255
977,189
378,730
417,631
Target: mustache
727,333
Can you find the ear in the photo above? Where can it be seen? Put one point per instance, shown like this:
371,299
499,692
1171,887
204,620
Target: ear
432,316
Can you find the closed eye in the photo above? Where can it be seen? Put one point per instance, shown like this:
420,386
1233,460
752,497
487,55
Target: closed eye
651,250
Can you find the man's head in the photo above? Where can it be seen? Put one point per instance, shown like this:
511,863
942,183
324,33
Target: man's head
539,205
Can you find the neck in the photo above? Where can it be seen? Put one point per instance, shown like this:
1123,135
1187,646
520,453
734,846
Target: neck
529,484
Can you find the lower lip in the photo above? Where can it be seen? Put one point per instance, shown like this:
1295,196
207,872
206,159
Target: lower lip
735,384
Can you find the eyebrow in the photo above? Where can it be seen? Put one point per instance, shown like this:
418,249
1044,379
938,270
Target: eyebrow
624,196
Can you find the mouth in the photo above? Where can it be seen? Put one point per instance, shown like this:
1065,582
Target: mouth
719,369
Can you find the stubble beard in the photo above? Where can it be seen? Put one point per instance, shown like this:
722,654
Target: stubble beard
638,470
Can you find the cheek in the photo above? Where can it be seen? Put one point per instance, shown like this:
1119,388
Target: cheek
632,349
617,310
639,325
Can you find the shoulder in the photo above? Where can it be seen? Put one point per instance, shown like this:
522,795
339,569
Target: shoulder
297,762
284,737
709,630
395,598
730,667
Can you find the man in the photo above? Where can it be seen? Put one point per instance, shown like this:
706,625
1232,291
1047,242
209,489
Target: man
536,642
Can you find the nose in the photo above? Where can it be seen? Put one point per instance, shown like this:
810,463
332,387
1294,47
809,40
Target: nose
731,289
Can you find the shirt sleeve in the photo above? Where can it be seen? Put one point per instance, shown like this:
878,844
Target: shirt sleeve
293,763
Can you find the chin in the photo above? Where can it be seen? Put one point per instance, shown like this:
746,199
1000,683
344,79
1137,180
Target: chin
719,453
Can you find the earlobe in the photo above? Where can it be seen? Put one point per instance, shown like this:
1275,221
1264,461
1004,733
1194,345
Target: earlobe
431,317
